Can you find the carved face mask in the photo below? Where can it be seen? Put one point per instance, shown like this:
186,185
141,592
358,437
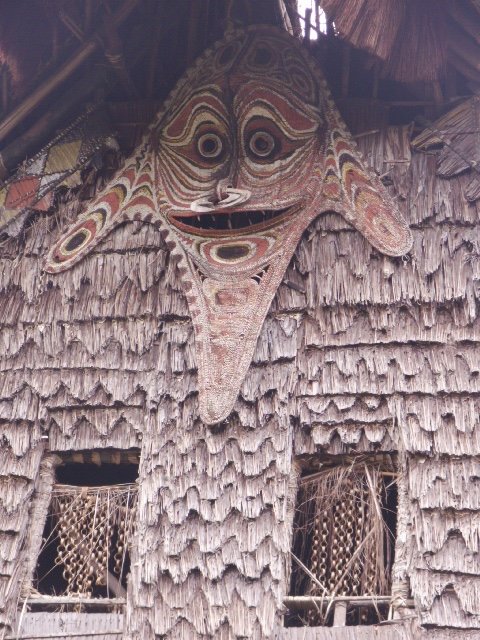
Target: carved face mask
247,151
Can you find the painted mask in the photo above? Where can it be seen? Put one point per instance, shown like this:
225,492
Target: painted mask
247,151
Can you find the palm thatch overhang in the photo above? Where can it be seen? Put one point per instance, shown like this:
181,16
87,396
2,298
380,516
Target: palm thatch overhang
360,353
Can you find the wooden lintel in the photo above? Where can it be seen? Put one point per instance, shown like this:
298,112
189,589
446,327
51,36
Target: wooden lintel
50,601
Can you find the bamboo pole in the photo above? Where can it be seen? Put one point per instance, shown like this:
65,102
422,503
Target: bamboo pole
306,602
82,54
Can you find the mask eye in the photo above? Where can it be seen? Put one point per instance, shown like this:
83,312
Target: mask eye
262,144
210,146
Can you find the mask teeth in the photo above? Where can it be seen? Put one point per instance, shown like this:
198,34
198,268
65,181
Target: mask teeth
233,221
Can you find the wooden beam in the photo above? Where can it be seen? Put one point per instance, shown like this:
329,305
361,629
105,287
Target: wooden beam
55,636
38,133
55,601
308,602
71,25
115,586
56,79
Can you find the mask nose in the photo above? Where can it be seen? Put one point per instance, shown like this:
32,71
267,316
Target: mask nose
226,196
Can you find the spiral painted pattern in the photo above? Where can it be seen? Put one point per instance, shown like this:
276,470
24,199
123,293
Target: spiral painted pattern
248,149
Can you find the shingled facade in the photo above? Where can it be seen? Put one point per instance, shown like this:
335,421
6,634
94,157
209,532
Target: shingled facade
362,356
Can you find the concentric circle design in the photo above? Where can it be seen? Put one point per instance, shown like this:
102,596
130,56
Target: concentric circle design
210,145
79,237
241,252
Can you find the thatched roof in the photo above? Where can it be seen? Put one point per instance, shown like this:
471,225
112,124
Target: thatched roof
414,40
458,133
56,56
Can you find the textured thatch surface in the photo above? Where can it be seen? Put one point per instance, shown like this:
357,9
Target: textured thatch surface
360,352
458,133
413,40
390,632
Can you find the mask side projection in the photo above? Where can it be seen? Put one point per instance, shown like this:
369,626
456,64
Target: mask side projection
248,150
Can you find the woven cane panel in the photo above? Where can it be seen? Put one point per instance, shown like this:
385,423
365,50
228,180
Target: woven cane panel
342,536
91,530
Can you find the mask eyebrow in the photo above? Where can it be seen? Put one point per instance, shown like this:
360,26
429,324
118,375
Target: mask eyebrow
180,123
295,119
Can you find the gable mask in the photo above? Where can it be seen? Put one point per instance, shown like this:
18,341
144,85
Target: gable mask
247,151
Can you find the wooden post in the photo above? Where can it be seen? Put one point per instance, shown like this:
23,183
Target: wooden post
308,22
403,543
340,614
27,484
317,15
41,501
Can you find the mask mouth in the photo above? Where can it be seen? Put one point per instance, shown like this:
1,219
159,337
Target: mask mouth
228,222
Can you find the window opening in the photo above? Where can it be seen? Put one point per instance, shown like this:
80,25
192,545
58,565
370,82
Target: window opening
310,10
343,544
88,532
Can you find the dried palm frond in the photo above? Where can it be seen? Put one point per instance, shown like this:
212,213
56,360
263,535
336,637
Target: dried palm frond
458,131
342,537
368,24
409,36
420,49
